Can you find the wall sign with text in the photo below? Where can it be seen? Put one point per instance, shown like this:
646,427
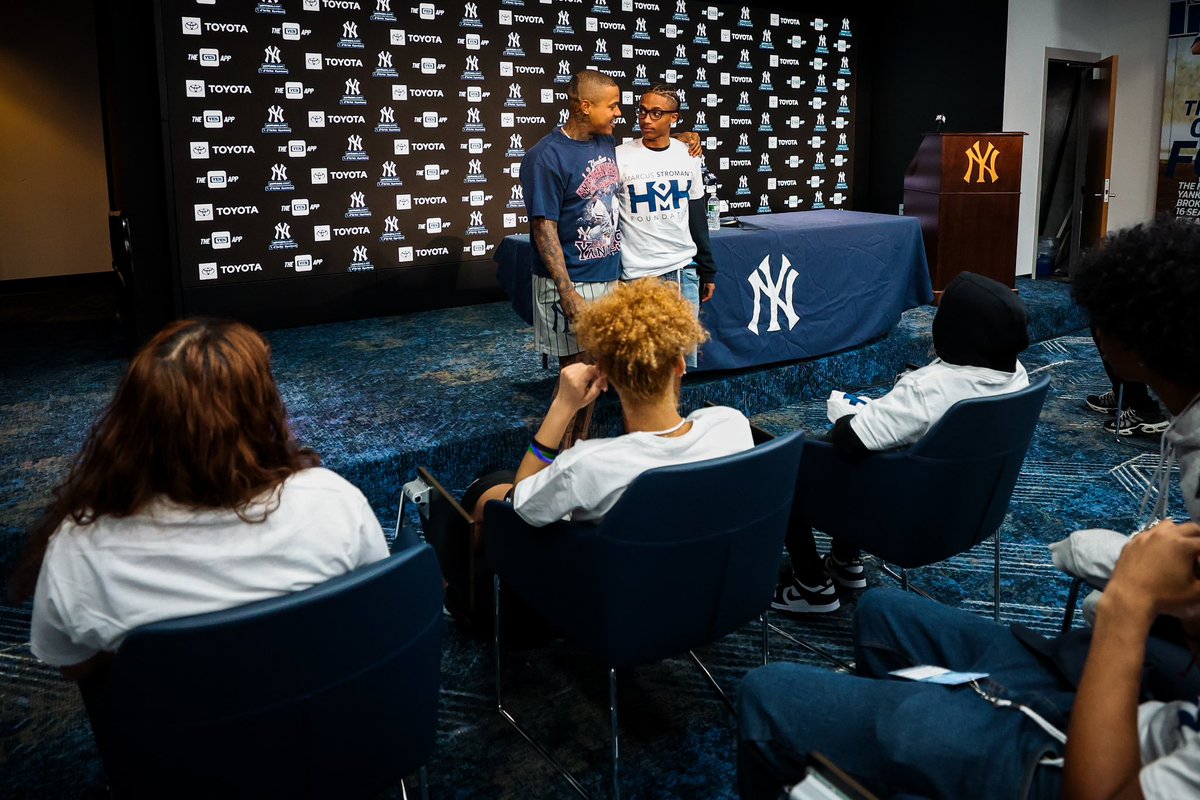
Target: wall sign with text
311,137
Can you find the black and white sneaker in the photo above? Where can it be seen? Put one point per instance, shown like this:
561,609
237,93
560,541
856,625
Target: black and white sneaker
1142,423
851,575
1103,403
797,598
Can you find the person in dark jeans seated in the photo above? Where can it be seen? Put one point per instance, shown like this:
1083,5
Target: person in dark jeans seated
979,330
1125,696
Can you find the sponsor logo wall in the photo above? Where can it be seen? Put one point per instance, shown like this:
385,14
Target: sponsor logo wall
326,136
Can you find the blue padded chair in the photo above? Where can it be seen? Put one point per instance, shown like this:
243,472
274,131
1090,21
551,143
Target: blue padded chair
327,692
711,531
937,498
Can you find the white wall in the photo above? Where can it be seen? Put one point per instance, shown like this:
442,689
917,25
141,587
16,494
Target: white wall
1133,30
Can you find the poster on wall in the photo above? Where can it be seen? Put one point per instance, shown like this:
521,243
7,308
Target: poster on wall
313,137
1178,177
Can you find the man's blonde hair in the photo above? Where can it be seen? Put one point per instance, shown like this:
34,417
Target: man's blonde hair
638,333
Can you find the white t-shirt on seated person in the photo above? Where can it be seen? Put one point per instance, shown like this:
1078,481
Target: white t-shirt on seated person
1169,734
921,397
102,580
586,481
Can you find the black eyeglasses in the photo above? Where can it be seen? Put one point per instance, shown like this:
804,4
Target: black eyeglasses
654,113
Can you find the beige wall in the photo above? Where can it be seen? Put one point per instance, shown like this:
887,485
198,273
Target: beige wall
53,195
1133,30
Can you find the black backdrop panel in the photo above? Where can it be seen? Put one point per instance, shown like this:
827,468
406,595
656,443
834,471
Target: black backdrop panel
314,138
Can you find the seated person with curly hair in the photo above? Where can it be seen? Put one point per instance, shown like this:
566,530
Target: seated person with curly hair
190,495
639,335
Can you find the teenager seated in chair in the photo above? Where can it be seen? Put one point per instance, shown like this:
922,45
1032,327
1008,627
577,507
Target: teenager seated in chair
190,495
639,336
979,330
1127,700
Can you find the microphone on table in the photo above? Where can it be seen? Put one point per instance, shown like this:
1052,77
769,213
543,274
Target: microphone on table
939,119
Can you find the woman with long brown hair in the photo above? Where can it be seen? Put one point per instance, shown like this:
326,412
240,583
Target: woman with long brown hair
190,495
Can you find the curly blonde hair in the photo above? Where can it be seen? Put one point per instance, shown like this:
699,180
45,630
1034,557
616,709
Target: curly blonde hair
637,334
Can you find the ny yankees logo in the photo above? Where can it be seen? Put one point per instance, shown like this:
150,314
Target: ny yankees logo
349,30
474,167
275,114
271,55
391,225
352,86
777,291
389,169
358,200
360,254
279,173
476,219
283,231
385,60
387,115
354,143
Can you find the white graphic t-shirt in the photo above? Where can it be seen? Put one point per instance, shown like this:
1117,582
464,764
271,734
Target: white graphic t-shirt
656,186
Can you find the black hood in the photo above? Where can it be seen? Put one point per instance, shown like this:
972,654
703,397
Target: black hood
980,323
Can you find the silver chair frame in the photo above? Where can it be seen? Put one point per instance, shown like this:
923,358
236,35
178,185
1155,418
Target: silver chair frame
612,703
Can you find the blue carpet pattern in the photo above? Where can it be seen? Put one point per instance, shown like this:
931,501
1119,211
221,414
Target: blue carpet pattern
458,390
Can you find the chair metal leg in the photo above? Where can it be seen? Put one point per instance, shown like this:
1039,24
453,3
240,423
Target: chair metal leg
422,780
766,652
1120,408
902,577
571,779
715,685
812,648
996,579
612,711
1072,599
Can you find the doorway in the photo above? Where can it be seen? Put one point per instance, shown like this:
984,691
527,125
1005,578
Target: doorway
1076,161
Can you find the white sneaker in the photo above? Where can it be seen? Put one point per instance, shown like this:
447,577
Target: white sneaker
797,598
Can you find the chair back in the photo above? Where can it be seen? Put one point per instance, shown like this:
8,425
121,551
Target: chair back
939,497
327,692
688,554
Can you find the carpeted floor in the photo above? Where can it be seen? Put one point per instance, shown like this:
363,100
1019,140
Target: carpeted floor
456,390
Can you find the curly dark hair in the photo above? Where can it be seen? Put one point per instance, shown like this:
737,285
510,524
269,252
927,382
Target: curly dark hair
1142,288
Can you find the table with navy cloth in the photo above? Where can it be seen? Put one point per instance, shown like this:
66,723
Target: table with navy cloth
846,277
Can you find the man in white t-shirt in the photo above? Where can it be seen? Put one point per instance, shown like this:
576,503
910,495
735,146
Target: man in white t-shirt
663,225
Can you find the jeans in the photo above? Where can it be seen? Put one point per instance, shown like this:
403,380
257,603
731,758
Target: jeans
898,737
689,286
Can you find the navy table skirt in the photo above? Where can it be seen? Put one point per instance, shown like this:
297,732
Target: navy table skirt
789,286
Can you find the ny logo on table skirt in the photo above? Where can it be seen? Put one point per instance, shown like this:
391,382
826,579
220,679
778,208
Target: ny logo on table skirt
777,292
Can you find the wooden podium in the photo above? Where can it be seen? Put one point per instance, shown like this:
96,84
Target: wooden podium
965,189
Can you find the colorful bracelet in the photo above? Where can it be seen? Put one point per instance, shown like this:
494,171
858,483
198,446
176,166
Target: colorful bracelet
543,453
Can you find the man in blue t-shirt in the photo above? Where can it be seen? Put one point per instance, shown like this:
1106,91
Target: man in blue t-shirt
570,184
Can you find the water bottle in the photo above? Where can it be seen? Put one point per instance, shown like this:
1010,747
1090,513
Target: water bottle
713,209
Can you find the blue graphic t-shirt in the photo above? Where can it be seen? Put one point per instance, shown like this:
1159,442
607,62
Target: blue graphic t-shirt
576,184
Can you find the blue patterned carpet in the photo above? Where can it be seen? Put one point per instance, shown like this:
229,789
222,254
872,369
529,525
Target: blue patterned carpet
457,390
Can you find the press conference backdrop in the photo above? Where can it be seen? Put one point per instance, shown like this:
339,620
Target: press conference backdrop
316,137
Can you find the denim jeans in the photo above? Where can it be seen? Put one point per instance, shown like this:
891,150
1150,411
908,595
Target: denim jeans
898,737
689,286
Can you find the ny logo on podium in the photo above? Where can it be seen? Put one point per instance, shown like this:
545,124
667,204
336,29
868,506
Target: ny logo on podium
777,291
985,160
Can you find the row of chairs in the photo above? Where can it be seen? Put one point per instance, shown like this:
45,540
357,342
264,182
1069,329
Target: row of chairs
333,691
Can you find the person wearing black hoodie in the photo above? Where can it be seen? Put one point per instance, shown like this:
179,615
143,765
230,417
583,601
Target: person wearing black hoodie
980,328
